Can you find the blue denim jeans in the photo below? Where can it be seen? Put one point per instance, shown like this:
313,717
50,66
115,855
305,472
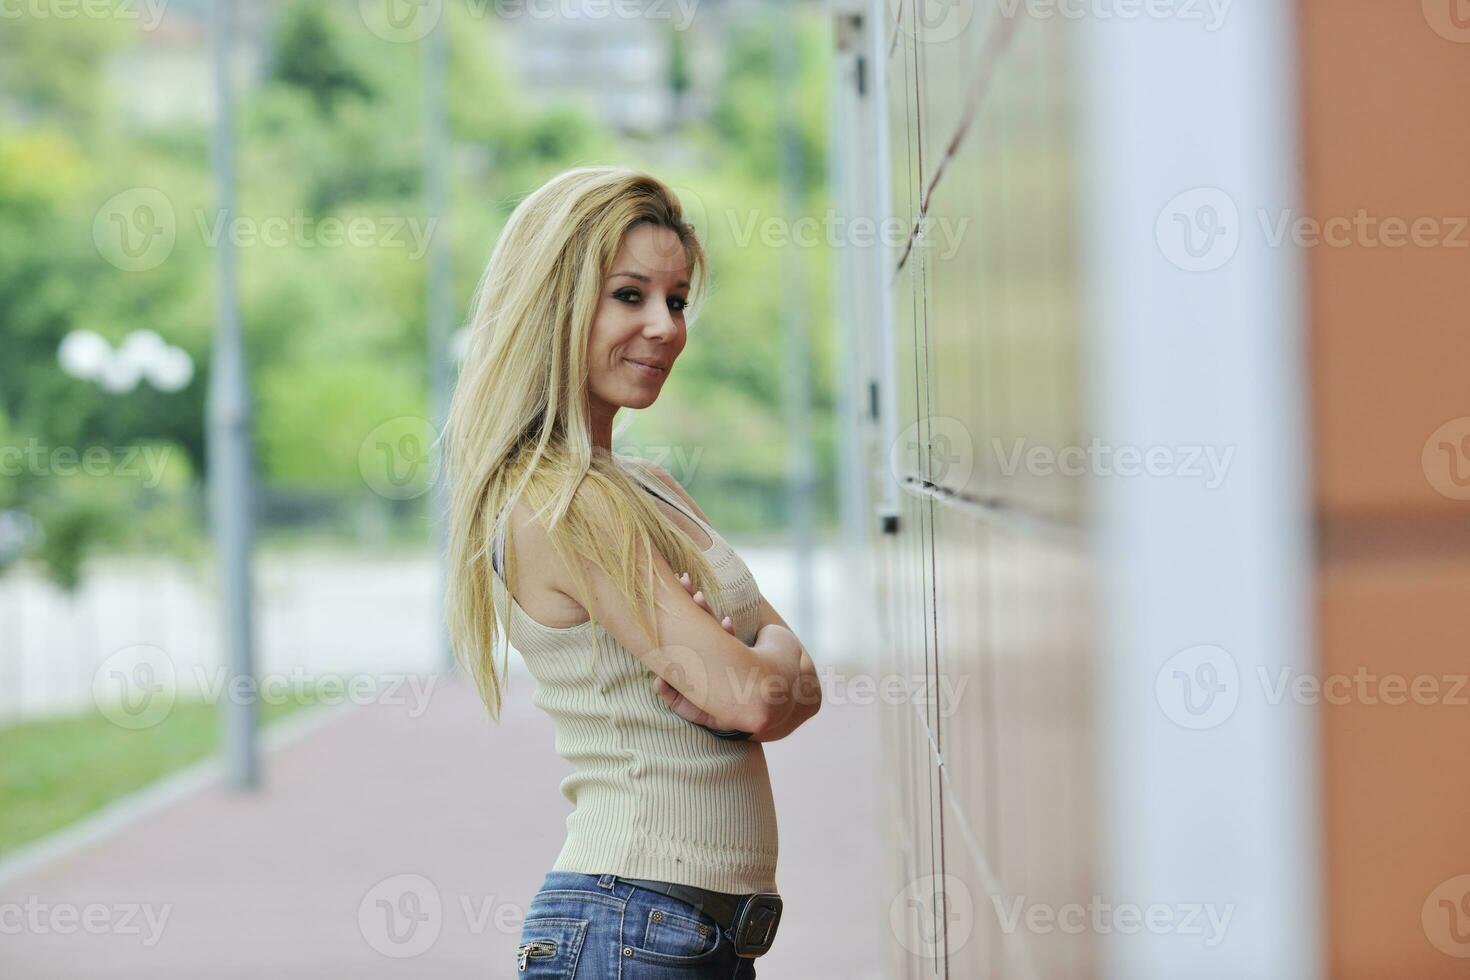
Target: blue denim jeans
599,927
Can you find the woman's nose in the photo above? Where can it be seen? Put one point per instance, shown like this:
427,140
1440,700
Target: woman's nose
661,324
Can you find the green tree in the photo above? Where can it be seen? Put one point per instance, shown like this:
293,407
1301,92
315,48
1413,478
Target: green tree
679,76
309,56
52,66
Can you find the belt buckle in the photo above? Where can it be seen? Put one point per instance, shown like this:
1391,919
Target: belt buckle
754,928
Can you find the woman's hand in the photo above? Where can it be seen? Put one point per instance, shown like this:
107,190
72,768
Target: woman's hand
681,705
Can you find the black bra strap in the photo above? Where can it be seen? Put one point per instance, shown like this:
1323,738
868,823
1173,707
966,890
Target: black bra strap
497,554
658,488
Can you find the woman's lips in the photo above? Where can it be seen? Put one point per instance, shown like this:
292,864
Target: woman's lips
648,370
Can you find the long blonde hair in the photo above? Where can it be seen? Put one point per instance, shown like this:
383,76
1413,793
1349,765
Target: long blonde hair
519,423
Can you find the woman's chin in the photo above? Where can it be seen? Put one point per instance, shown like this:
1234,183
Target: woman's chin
640,399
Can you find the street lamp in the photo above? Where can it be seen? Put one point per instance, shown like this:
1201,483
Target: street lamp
142,356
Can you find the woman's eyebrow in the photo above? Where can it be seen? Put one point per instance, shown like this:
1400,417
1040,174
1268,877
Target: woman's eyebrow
682,283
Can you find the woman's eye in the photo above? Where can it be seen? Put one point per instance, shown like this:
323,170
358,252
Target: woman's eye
678,303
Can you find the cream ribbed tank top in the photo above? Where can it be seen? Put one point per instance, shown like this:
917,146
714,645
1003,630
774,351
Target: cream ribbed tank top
654,795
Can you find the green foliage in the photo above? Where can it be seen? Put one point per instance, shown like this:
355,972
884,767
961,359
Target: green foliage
679,75
745,119
309,56
72,528
44,179
137,497
56,771
334,330
315,417
52,62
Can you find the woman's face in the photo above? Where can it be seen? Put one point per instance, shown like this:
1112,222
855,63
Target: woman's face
638,329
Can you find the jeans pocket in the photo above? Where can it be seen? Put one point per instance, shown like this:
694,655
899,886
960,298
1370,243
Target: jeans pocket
684,937
550,947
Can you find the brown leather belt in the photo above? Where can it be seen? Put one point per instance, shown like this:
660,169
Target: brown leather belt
750,919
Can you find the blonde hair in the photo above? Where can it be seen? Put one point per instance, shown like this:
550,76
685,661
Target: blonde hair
519,424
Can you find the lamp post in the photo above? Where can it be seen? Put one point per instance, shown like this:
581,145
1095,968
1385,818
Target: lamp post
436,195
231,470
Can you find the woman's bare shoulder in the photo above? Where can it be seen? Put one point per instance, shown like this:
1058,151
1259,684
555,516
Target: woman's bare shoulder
671,483
541,579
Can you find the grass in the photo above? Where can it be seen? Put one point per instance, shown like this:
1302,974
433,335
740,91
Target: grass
56,771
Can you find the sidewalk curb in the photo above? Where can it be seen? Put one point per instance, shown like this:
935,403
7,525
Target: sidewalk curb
127,810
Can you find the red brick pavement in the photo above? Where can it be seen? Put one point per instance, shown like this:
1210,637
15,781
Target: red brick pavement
285,883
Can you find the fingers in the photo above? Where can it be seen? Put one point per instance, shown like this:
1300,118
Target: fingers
698,594
681,705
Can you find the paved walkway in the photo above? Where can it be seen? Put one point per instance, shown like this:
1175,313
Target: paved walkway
378,819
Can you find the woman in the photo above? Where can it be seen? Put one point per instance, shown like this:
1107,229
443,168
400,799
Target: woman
654,652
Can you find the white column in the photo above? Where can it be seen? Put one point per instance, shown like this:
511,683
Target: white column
1195,329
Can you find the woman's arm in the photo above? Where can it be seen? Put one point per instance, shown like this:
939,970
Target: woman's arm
807,699
740,686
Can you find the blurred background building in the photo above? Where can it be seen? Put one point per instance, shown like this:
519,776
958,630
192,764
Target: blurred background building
1082,378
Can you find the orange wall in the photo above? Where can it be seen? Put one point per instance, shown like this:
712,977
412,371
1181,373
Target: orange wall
1386,129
